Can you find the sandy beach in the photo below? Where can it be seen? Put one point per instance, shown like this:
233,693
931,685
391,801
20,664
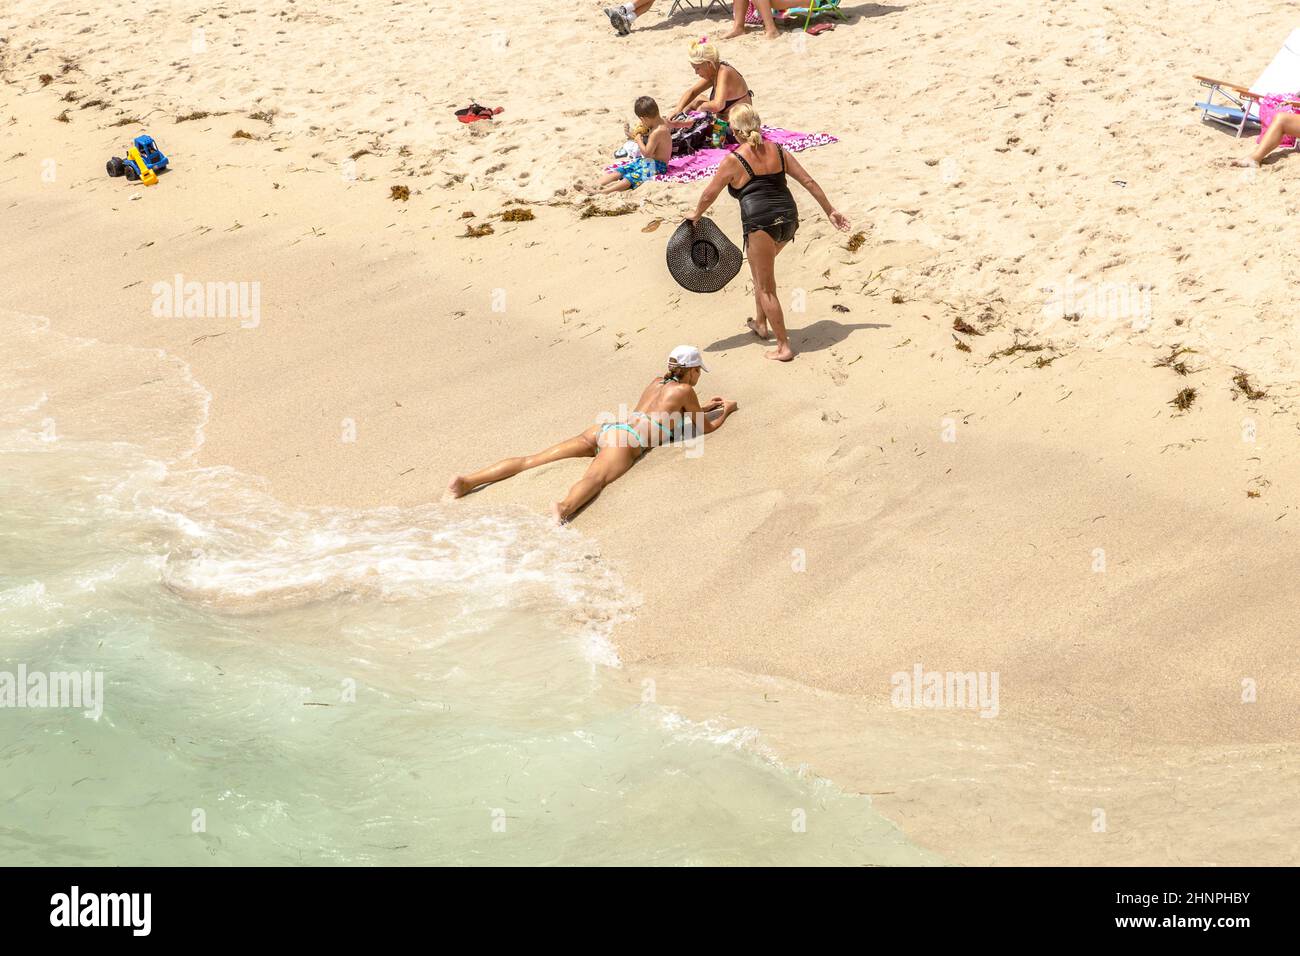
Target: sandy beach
978,462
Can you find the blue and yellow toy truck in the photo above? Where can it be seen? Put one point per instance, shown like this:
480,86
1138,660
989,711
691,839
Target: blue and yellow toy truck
143,160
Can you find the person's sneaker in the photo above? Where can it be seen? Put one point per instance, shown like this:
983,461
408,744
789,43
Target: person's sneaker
619,19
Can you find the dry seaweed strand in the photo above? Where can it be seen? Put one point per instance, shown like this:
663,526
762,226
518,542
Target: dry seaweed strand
1242,382
1172,360
399,192
591,209
1184,399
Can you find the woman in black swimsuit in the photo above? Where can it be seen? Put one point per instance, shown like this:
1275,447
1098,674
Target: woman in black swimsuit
755,174
727,88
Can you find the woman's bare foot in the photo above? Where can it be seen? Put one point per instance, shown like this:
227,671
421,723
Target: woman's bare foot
773,34
734,33
782,353
1246,162
557,515
759,329
457,487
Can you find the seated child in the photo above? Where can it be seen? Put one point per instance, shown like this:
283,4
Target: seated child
654,137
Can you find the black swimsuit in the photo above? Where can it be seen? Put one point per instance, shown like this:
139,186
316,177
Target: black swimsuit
766,203
722,113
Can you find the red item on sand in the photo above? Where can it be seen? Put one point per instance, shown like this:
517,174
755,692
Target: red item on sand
474,112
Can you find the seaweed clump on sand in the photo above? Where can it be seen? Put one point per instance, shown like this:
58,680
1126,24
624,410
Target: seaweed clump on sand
961,325
1184,399
517,215
591,209
856,241
242,134
1173,360
63,117
399,192
477,232
46,79
196,115
1242,383
960,345
1017,348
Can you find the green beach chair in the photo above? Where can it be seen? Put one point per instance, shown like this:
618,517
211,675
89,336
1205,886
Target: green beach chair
816,8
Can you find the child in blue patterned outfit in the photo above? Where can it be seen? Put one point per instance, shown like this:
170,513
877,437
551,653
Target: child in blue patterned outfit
654,137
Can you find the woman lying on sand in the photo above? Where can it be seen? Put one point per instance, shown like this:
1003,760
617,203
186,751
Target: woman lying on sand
727,88
755,175
665,403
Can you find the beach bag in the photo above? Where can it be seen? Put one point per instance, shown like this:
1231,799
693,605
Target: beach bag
695,138
700,256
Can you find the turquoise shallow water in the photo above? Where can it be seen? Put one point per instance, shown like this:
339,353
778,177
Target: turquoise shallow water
285,686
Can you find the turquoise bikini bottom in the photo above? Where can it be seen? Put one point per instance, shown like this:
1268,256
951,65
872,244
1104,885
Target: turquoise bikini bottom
636,436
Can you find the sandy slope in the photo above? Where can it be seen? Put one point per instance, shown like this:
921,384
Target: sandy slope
1098,549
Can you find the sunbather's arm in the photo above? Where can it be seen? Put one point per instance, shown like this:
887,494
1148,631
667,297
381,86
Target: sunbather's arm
726,169
794,168
709,419
690,96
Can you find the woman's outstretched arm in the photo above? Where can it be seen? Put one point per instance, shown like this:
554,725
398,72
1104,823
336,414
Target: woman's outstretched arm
795,169
690,96
691,409
726,169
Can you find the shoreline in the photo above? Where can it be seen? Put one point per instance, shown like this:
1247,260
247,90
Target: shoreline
976,554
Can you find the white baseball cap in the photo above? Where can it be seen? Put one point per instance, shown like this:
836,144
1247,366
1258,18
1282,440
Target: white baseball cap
687,356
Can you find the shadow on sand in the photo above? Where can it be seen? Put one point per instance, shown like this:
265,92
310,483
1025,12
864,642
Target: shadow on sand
811,338
689,15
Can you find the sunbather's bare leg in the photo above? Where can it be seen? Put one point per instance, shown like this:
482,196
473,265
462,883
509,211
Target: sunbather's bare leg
763,251
758,324
579,446
608,466
1284,124
615,185
738,10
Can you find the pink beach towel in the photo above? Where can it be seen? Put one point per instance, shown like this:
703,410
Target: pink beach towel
705,162
1269,106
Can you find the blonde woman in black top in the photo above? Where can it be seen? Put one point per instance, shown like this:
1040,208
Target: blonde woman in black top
755,175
